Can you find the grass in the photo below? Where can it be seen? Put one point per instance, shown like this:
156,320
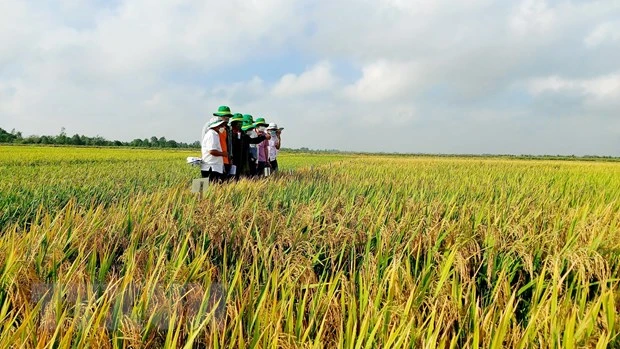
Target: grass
110,249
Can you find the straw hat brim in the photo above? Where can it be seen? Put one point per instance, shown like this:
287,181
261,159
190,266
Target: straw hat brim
218,123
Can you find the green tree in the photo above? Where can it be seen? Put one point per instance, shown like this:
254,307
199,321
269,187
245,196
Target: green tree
62,137
76,140
99,141
5,137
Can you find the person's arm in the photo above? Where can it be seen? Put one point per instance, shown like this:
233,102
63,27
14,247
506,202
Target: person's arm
256,140
277,142
266,151
279,138
229,145
212,141
216,152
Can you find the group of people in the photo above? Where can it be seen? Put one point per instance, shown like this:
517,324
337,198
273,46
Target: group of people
236,145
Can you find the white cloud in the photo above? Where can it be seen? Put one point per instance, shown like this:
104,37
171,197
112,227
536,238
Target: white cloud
600,95
604,32
139,35
416,7
552,83
384,80
532,16
117,68
316,79
605,87
447,74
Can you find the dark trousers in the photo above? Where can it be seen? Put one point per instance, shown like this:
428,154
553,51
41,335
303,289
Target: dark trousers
212,175
274,165
226,174
252,167
260,169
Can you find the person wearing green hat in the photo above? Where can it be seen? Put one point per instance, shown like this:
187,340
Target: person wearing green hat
234,125
222,112
212,154
225,136
250,130
262,147
241,142
244,138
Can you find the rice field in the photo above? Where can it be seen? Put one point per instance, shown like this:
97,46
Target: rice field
108,248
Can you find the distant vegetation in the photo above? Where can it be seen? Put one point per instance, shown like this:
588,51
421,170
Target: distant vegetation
15,137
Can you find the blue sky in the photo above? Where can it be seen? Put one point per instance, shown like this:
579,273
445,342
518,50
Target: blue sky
473,76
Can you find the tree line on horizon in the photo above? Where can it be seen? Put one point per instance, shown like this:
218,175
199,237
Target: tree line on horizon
16,137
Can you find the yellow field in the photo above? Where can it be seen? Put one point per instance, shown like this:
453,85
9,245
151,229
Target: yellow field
108,248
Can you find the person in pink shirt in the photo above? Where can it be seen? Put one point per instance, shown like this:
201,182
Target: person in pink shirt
262,147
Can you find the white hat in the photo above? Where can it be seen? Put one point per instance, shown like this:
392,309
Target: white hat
216,121
272,126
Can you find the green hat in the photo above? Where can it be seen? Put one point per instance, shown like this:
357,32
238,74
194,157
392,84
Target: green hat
236,117
248,118
247,127
261,122
223,110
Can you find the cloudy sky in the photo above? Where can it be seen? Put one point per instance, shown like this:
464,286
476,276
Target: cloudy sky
442,76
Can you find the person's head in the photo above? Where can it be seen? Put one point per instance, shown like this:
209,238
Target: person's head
272,128
217,123
261,124
248,119
248,128
236,122
223,112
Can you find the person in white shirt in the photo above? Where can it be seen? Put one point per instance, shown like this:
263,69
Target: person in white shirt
212,155
274,145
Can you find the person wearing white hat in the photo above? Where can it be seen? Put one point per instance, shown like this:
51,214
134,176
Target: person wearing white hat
274,145
212,155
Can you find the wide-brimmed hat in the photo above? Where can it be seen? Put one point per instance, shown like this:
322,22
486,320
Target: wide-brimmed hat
216,121
248,118
272,126
247,127
260,122
236,118
223,110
